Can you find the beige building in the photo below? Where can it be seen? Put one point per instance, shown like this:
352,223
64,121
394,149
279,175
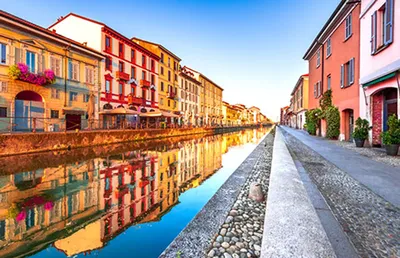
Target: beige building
189,94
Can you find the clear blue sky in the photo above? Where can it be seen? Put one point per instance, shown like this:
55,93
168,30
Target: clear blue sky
253,49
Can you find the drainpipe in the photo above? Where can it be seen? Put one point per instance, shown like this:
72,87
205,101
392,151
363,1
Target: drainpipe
322,58
66,49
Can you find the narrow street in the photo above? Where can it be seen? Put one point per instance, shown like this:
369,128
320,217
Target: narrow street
360,193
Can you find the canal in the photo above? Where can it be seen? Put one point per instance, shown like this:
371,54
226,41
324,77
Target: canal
127,200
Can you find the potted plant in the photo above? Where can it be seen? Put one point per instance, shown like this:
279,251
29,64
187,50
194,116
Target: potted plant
360,133
391,138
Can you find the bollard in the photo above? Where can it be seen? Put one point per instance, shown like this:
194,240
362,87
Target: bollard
255,192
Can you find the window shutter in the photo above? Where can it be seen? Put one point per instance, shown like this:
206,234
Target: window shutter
373,32
17,55
342,76
69,69
352,71
388,30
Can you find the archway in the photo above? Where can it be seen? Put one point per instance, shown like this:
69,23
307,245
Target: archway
384,104
29,111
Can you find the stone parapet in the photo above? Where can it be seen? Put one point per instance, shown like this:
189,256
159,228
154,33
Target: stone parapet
292,227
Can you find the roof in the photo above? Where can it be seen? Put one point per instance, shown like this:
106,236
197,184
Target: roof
160,46
139,47
204,77
51,34
298,83
316,42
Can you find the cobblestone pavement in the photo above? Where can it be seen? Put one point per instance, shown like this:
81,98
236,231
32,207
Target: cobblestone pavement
372,153
241,234
371,223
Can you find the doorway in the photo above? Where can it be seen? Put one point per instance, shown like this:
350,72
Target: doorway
29,111
390,106
351,125
73,121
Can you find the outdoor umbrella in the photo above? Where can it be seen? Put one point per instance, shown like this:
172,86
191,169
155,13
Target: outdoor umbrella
91,108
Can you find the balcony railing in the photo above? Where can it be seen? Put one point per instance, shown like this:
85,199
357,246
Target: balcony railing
145,83
122,76
171,94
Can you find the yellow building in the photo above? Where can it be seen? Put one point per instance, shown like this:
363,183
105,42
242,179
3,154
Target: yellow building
168,73
299,98
29,98
230,114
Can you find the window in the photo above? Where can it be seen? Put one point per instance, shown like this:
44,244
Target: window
86,98
133,56
317,90
143,75
318,58
121,89
3,86
175,66
144,61
169,103
169,75
328,82
89,74
162,70
121,50
133,72
54,113
153,67
55,93
73,70
121,66
176,77
108,63
30,61
348,27
73,96
133,91
108,44
347,74
55,65
108,86
162,86
162,58
382,27
3,53
169,62
328,47
3,112
153,79
161,101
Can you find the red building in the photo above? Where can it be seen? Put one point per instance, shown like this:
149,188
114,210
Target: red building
333,59
130,71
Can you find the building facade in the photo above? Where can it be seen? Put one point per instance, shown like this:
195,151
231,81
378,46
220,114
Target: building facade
29,101
380,64
189,95
130,74
168,71
334,61
300,101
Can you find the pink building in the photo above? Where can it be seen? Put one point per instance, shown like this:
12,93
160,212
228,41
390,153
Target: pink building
379,63
130,75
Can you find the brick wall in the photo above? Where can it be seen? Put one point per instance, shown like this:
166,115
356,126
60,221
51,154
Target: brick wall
377,109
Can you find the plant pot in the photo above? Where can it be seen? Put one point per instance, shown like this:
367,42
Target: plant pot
359,143
392,149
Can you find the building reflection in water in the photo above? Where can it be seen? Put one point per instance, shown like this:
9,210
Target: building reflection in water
79,207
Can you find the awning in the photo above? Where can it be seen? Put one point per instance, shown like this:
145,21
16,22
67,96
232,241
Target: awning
167,114
119,111
383,78
72,111
149,112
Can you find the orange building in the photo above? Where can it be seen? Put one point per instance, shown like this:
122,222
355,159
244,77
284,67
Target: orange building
333,59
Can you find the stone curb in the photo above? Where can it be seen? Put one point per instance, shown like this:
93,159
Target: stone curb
291,227
196,237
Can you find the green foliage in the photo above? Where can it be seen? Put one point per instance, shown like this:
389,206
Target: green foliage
326,100
361,130
332,117
312,120
14,72
392,135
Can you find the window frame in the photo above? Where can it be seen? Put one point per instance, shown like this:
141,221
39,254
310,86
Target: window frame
32,60
53,112
328,48
3,52
348,26
318,58
89,74
329,82
109,48
71,94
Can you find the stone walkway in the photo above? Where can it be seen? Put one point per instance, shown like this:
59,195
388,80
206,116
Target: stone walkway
241,234
379,177
370,219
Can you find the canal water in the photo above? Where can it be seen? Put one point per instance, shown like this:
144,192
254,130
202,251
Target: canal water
120,200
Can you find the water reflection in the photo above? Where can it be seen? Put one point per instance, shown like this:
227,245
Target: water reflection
80,206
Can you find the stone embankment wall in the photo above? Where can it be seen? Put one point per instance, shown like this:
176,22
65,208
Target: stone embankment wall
291,227
13,144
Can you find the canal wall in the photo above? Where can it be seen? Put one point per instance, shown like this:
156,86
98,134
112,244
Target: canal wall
23,143
291,227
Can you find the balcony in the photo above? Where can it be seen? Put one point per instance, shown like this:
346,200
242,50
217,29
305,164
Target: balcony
153,69
171,94
134,100
122,76
145,83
